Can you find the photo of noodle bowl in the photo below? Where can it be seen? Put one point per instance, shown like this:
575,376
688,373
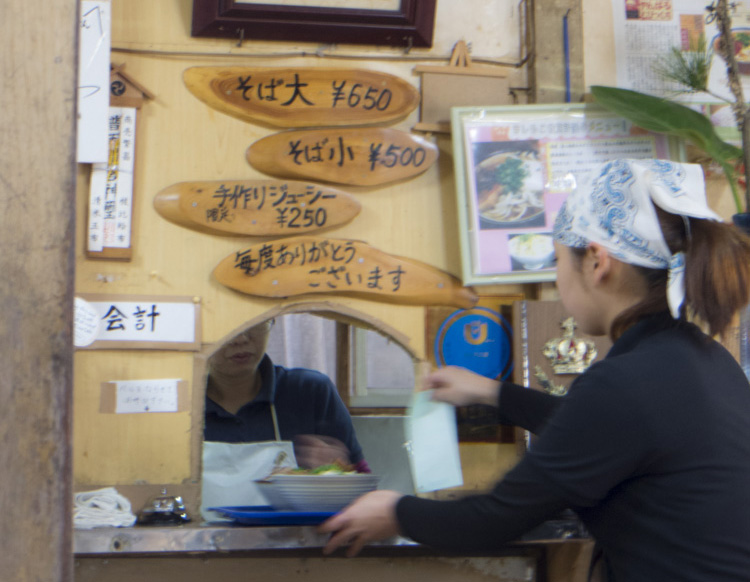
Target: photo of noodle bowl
510,188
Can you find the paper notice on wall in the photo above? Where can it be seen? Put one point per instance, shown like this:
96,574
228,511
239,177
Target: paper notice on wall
432,443
141,396
87,323
93,81
647,31
139,322
111,188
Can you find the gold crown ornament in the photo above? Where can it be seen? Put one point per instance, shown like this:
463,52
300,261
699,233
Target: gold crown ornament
569,354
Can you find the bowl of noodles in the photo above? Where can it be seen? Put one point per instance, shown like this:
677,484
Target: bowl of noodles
324,488
510,188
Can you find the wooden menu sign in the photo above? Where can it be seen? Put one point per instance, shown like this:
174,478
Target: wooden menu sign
304,96
307,264
255,207
353,156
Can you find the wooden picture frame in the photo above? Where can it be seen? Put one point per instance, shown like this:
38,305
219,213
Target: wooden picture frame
411,24
505,228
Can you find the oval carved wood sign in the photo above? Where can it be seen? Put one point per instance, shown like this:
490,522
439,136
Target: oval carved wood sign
317,265
256,207
353,156
304,96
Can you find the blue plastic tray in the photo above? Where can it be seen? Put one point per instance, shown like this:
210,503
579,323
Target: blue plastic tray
266,515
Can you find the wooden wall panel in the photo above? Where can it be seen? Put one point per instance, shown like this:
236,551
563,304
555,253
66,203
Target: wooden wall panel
182,139
511,568
129,447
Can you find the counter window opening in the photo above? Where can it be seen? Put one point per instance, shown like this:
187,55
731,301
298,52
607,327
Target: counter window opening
372,372
369,369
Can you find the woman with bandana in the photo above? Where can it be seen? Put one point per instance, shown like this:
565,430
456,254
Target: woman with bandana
651,445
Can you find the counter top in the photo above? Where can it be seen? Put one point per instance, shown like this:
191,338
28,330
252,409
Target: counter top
557,550
200,538
191,538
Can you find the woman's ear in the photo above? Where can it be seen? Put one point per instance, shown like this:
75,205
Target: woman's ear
599,262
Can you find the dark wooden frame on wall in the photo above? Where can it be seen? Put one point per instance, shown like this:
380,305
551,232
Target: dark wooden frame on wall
411,25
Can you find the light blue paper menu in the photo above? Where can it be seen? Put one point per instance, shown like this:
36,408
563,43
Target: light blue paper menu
432,442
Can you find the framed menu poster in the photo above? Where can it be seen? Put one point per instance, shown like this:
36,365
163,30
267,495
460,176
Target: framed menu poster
514,167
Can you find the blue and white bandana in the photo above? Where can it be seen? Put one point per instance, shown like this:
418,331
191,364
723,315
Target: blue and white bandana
614,207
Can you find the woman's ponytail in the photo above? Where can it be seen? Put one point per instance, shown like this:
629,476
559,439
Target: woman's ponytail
717,272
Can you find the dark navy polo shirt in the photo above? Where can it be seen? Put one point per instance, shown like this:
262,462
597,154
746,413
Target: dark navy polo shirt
306,402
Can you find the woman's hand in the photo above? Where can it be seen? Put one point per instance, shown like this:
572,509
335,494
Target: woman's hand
314,450
461,387
372,517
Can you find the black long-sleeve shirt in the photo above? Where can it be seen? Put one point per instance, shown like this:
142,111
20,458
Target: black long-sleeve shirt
651,448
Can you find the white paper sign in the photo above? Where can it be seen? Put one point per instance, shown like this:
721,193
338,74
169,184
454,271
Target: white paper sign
146,320
146,396
111,189
93,81
432,438
86,323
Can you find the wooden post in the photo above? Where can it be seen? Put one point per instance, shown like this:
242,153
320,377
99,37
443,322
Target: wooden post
556,71
37,197
343,361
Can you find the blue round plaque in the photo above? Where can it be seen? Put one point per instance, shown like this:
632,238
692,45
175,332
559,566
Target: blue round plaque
478,339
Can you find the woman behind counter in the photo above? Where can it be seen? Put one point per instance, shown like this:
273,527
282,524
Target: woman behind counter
249,399
260,416
651,446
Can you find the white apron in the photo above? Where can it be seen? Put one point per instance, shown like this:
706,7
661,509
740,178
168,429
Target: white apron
230,471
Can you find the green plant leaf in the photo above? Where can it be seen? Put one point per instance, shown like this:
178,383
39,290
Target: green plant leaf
664,116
